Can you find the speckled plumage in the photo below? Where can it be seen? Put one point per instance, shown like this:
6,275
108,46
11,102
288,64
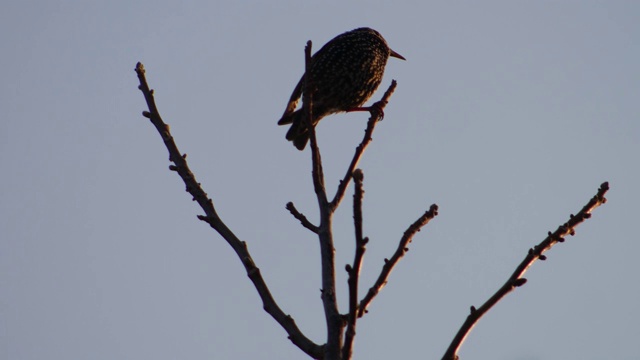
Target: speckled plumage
345,72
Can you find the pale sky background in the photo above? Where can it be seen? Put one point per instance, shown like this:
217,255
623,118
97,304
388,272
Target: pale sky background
508,115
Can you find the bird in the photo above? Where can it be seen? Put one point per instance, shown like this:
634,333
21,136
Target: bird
345,72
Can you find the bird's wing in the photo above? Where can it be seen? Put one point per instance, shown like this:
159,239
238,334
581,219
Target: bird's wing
287,117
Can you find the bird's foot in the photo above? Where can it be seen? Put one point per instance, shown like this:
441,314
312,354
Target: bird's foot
376,109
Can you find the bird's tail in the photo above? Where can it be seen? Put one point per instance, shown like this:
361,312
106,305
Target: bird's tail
298,132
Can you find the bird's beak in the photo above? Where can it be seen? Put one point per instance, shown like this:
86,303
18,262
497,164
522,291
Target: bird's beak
396,55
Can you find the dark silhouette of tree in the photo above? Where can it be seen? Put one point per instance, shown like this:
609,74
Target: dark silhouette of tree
341,327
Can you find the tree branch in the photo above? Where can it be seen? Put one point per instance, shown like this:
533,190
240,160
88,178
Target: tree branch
316,161
240,247
516,279
354,271
325,235
377,113
303,219
400,251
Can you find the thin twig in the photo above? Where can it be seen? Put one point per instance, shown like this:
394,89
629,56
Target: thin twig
316,161
303,219
377,112
400,251
354,270
516,279
240,247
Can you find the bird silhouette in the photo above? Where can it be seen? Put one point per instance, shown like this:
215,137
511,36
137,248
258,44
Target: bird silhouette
345,72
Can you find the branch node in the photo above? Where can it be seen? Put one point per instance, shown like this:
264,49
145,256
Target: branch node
519,282
206,219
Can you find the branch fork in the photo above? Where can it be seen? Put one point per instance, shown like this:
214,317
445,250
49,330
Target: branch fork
341,328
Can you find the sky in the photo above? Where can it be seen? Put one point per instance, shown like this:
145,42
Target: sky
508,115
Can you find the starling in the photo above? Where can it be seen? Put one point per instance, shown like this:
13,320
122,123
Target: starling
345,72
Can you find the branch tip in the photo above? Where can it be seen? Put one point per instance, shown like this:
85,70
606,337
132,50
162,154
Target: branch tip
358,175
300,217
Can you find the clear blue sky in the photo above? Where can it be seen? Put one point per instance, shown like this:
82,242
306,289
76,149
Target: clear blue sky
508,115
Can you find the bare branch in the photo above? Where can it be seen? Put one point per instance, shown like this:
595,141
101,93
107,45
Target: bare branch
377,113
303,219
354,270
316,161
400,251
516,279
240,247
325,236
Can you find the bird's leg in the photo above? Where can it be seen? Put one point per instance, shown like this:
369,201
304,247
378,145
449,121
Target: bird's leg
376,109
